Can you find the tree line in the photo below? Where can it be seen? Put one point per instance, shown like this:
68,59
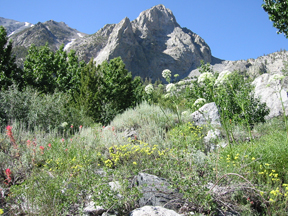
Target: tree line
100,91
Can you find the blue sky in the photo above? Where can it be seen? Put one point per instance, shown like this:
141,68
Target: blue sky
234,29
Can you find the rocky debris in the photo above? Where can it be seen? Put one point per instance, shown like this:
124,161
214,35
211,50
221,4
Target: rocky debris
157,192
207,114
153,211
270,92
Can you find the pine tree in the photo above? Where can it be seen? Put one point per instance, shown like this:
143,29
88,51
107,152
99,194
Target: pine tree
9,72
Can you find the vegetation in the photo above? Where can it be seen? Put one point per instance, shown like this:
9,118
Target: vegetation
277,11
64,141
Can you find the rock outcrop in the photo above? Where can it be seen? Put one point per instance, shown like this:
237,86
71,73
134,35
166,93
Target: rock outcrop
148,45
271,91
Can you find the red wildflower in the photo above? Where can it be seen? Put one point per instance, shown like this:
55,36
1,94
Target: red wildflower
49,145
80,127
66,150
103,126
42,149
28,143
62,139
8,173
113,128
71,126
10,135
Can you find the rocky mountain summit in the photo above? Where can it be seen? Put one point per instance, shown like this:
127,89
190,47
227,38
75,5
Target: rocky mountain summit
149,44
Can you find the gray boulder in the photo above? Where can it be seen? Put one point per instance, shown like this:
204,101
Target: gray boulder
157,192
153,211
207,114
270,92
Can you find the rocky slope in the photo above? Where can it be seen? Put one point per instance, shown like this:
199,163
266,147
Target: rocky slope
13,27
51,32
271,63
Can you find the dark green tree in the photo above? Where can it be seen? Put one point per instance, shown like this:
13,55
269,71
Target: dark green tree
9,72
107,90
278,14
119,90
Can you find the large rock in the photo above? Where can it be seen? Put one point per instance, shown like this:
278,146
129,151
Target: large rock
207,115
157,192
270,92
153,211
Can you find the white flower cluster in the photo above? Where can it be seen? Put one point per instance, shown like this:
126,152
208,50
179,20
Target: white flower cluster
205,76
185,113
149,89
276,77
171,87
223,77
199,101
166,96
64,124
181,82
166,74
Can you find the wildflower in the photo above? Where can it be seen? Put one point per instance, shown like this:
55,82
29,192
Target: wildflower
223,77
166,96
80,127
8,174
62,139
166,74
64,124
49,145
171,87
149,89
185,113
71,126
253,158
181,82
205,76
199,102
42,149
66,150
135,163
28,143
1,211
10,135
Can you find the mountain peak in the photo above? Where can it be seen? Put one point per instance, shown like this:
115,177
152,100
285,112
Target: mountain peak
157,18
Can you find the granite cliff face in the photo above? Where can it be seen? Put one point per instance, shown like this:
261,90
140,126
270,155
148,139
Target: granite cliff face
147,45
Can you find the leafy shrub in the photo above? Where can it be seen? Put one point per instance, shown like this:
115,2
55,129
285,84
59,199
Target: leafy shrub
38,110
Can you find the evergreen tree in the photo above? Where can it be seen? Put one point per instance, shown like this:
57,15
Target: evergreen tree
9,72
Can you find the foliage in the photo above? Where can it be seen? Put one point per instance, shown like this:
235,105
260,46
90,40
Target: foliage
277,11
38,110
107,90
9,72
48,71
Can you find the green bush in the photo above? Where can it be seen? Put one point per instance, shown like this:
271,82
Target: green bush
33,109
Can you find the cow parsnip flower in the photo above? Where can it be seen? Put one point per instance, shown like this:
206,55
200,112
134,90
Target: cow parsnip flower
166,74
223,77
171,87
149,89
205,76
